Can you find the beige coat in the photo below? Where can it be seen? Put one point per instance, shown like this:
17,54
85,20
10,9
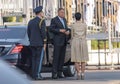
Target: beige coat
79,49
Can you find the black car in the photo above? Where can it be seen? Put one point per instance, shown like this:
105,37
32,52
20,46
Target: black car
11,43
10,75
14,48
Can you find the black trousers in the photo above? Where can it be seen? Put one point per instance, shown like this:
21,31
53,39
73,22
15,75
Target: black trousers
58,58
36,57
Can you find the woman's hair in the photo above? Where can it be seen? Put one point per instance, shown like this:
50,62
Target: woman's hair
77,16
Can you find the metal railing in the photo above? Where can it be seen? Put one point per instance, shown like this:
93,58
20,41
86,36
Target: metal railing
102,27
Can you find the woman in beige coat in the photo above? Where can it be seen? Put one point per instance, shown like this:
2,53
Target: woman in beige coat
79,50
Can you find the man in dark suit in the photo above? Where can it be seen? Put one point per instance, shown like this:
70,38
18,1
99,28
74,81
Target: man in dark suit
37,38
61,32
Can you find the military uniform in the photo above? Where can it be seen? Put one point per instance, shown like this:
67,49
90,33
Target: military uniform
37,38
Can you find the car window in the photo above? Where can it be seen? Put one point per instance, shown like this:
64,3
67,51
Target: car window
12,33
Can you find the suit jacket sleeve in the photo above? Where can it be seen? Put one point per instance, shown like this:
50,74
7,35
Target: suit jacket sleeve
53,27
68,29
43,31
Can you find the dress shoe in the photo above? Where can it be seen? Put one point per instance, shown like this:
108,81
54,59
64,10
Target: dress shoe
54,76
60,75
39,77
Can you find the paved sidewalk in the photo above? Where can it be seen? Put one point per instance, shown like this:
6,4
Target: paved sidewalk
92,77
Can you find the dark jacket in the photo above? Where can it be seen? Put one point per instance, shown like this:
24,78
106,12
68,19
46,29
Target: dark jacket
35,33
59,38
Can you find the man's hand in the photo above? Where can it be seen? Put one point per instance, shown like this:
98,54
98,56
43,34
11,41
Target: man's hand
62,30
44,46
67,32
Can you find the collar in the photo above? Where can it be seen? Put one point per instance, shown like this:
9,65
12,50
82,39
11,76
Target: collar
60,18
39,17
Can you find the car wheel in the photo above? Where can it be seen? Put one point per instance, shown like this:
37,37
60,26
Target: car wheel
69,71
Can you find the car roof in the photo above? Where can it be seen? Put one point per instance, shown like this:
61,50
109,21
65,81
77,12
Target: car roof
14,26
16,34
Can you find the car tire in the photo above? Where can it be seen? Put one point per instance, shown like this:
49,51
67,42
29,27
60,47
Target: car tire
69,71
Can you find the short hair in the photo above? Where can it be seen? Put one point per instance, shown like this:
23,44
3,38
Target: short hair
37,12
77,16
60,9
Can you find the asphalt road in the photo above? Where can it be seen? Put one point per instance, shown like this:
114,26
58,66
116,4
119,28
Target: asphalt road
91,77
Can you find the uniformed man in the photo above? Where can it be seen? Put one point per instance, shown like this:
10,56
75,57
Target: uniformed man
37,38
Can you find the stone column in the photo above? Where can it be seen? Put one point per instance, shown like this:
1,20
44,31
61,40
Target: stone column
26,11
68,8
1,21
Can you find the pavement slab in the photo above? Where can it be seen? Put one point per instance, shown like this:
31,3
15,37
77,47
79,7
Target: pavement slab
91,77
